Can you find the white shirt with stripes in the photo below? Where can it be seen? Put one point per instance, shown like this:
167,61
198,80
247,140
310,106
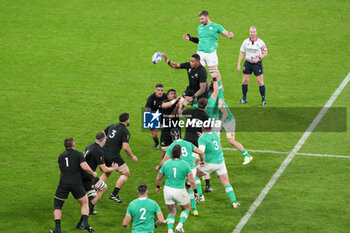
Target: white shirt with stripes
253,49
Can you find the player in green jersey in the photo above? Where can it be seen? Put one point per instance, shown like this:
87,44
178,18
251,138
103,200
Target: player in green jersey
176,171
207,40
209,142
228,121
142,211
189,153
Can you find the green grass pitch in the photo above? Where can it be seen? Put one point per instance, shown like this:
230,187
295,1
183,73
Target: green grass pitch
69,68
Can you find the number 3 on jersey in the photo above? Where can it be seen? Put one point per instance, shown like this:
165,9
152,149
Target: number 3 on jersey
216,145
112,133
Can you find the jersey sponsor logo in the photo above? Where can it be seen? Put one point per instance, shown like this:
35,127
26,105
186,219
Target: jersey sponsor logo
189,70
151,119
210,28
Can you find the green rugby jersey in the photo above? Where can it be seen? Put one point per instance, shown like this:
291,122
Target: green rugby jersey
212,108
213,151
229,117
186,149
208,37
175,171
142,211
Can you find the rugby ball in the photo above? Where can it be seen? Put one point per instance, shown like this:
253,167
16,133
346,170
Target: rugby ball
157,57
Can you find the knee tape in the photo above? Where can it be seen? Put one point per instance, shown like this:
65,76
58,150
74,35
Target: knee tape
92,194
57,204
122,177
101,186
212,70
230,135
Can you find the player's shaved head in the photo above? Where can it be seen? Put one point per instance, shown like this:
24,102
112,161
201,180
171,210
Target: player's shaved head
142,189
203,13
100,136
69,143
176,152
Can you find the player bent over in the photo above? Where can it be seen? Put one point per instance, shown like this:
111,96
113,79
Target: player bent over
176,171
209,142
71,162
93,156
117,137
186,148
142,211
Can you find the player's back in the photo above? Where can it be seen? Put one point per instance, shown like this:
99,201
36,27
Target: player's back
114,140
93,155
142,211
213,152
186,149
193,115
175,171
69,163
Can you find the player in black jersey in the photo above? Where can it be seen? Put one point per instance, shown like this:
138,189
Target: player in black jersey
169,120
197,77
93,156
154,103
117,138
71,162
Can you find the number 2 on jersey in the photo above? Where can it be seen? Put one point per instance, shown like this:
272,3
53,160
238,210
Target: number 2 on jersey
143,210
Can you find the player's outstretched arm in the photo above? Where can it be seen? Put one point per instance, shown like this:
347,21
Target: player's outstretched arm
85,166
215,89
171,63
128,151
224,114
126,221
227,34
190,38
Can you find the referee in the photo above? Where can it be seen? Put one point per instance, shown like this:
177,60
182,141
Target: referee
255,50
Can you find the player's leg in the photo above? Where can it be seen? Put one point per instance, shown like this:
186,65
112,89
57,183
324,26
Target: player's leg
213,66
124,175
190,192
225,182
171,217
57,214
183,217
108,162
84,220
260,79
204,171
247,70
100,188
154,133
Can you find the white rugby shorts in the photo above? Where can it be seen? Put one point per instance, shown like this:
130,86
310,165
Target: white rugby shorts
209,168
209,59
178,196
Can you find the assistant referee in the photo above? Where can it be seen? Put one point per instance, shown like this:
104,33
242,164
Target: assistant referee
255,50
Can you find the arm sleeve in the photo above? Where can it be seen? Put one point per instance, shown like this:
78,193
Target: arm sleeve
193,39
81,157
128,211
263,47
162,169
243,47
201,141
149,102
126,137
203,76
156,207
185,65
220,28
99,159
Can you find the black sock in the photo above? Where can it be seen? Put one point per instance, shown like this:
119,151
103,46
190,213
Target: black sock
262,92
91,207
156,140
244,91
84,219
58,223
116,191
207,183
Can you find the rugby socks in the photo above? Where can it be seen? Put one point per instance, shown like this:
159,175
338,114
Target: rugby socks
116,191
170,221
230,193
183,216
262,92
199,187
207,182
91,206
192,199
245,153
58,223
245,90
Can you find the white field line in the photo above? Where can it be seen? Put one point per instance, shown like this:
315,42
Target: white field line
290,157
285,153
